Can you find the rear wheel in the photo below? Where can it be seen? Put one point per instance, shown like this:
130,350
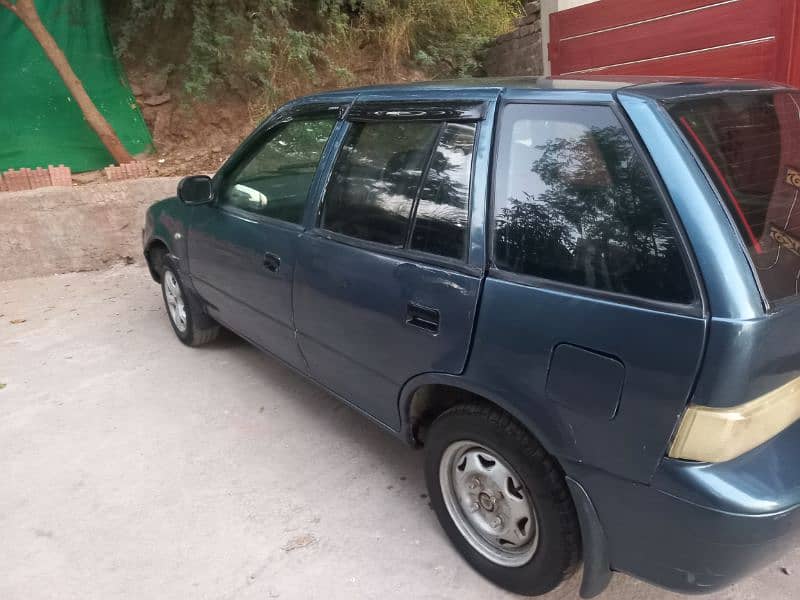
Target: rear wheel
501,499
189,322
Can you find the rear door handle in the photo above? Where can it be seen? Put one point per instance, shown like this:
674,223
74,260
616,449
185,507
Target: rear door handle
272,262
424,317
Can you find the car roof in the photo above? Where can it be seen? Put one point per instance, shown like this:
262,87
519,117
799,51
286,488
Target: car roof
661,88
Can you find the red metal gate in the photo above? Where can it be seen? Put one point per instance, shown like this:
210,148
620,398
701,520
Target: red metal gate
756,39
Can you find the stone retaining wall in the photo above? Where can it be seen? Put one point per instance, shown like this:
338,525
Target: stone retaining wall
518,52
61,229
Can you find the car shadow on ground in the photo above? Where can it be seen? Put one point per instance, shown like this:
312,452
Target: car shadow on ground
320,408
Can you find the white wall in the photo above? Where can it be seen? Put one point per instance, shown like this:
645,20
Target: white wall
551,6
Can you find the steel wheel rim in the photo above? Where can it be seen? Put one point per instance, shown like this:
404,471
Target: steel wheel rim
175,304
488,503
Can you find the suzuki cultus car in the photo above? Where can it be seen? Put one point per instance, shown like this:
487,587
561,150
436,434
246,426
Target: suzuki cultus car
579,296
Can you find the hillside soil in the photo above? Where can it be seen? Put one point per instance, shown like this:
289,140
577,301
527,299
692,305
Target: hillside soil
192,136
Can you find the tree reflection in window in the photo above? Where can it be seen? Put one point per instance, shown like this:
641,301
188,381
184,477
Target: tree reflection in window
376,178
573,203
441,222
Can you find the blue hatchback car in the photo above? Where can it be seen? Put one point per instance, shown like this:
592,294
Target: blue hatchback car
580,296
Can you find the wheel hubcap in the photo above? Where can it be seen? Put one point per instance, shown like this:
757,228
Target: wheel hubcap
489,503
175,305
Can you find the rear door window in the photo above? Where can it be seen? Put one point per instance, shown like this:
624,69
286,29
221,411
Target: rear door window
376,179
750,146
403,184
574,203
441,223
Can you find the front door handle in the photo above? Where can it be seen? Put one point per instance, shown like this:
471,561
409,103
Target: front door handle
424,317
272,262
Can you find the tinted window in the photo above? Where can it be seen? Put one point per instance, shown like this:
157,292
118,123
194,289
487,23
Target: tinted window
573,203
275,181
750,144
376,178
441,225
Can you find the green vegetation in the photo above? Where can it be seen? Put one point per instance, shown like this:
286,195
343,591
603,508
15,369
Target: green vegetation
278,48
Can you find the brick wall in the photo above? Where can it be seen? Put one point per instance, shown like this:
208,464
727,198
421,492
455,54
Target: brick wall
518,52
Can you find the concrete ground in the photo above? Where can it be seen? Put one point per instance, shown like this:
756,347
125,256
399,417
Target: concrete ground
134,467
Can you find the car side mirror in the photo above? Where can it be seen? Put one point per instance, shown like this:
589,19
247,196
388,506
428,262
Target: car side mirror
195,189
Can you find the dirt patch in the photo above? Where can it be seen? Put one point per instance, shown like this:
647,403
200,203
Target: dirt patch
192,136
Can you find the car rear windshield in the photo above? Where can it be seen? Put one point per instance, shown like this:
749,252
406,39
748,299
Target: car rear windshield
750,145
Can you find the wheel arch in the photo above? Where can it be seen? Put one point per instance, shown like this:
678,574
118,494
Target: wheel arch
426,396
154,253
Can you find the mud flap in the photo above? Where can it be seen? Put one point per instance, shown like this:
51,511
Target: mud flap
596,565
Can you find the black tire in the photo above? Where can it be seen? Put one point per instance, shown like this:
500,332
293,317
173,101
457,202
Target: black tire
558,549
199,328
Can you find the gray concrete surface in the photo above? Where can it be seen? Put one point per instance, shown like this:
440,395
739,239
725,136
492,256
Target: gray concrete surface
64,229
134,467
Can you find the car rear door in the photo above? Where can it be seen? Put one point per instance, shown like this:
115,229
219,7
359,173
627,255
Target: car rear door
387,282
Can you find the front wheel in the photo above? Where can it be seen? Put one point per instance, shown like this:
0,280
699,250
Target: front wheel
192,326
501,499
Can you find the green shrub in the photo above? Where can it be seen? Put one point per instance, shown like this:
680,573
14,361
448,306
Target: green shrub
450,33
263,46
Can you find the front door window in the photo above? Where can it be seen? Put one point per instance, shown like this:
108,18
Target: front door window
274,181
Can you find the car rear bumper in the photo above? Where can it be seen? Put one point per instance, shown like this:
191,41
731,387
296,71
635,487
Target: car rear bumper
700,527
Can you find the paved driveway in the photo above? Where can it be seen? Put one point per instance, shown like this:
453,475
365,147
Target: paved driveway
134,467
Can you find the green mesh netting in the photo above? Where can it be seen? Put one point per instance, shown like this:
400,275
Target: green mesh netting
40,123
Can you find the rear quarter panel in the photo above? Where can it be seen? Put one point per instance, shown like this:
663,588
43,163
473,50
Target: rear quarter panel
655,352
750,351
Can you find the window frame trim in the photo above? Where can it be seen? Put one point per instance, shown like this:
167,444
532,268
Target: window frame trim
698,307
461,264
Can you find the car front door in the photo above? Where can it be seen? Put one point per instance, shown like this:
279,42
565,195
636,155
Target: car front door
384,287
242,246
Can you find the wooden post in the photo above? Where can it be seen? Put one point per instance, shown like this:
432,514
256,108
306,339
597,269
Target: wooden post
26,11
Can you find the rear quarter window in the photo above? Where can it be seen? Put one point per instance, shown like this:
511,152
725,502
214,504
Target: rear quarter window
573,203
